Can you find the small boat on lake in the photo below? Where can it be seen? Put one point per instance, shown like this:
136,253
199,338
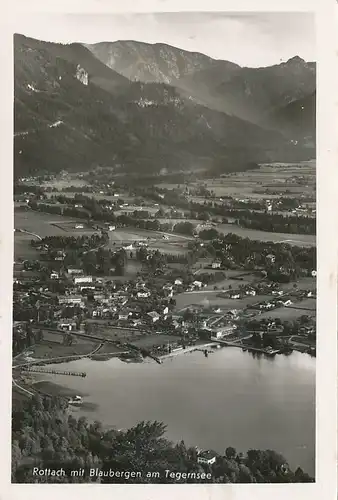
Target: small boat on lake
270,351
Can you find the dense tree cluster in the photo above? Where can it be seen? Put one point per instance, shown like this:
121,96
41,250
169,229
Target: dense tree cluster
85,251
156,259
274,223
281,261
45,435
99,213
105,262
184,228
71,242
270,332
208,234
251,215
24,336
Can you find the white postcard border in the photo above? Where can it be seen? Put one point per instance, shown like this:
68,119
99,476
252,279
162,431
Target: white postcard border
327,256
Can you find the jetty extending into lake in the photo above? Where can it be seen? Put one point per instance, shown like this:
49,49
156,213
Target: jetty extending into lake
53,372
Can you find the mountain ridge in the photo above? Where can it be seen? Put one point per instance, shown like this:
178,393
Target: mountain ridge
248,93
73,112
91,46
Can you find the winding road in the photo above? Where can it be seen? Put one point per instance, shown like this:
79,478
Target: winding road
28,232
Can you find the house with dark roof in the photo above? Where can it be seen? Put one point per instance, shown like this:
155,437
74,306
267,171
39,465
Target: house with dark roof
124,314
154,316
207,457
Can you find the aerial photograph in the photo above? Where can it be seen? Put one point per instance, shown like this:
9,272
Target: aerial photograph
164,274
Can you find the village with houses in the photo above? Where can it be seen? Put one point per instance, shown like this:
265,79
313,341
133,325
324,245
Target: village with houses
97,276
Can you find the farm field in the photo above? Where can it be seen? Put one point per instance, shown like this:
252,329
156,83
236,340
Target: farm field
210,298
129,236
173,220
238,275
43,225
23,248
65,183
48,224
232,274
175,244
155,340
19,205
270,177
97,196
176,267
128,335
103,329
56,225
226,283
301,341
221,188
70,227
302,284
242,190
286,313
170,248
306,304
292,239
130,209
132,268
108,349
251,185
135,234
38,223
54,350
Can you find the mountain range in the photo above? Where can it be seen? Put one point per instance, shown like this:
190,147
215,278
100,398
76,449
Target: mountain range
148,108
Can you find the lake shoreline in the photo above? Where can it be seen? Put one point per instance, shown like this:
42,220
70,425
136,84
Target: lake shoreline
247,394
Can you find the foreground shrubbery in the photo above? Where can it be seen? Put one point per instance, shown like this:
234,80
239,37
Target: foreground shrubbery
45,435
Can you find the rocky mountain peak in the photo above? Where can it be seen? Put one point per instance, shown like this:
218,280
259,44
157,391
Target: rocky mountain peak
296,61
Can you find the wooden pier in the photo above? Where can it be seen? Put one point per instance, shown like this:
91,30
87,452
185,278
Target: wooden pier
247,347
53,372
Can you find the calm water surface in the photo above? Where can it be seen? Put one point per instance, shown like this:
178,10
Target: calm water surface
228,399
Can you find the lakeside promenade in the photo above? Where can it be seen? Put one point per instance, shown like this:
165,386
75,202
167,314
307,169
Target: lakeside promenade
192,348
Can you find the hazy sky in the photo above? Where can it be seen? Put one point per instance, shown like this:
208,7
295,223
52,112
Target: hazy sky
249,39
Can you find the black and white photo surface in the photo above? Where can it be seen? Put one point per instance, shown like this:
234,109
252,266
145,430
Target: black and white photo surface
164,283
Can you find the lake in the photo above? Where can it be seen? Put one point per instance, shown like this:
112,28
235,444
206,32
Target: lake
230,398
